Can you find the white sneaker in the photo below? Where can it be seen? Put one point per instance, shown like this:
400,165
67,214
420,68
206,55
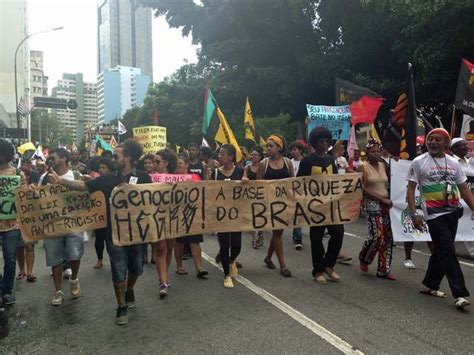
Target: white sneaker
58,298
461,302
67,273
409,264
75,288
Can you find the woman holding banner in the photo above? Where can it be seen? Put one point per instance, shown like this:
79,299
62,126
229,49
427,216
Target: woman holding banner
377,205
229,241
276,166
193,240
162,251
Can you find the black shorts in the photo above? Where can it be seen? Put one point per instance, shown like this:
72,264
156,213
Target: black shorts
193,239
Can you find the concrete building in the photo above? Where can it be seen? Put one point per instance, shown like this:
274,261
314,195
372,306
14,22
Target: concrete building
13,29
38,81
118,90
75,122
124,36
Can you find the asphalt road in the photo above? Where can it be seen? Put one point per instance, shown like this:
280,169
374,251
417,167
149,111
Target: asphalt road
264,313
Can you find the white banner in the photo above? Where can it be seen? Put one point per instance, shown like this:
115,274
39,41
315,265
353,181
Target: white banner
403,230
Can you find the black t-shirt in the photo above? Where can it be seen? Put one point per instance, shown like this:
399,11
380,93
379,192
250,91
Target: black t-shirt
313,165
197,168
106,184
236,174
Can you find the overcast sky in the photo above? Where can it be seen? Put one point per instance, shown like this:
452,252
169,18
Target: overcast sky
74,49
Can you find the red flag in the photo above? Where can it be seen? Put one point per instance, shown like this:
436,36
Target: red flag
156,118
366,109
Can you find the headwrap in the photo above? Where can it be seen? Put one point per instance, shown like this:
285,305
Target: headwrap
278,141
441,131
456,140
372,143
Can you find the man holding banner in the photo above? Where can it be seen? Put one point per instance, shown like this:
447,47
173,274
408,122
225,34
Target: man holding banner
442,182
127,259
10,235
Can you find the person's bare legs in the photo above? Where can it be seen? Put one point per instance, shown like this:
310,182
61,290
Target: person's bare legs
159,251
170,243
20,257
58,276
197,256
278,247
30,259
178,256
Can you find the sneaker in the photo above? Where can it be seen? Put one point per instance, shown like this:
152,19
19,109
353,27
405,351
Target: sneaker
163,290
228,282
298,246
75,288
130,298
254,243
8,299
233,270
320,278
331,275
218,258
260,240
121,318
67,273
58,298
461,302
409,264
364,267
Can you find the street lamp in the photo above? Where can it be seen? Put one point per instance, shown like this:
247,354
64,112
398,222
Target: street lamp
16,79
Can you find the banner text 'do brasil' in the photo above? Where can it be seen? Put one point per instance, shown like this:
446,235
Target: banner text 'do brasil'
152,212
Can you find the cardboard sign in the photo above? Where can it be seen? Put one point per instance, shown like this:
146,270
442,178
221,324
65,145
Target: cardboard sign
53,210
337,119
152,212
170,178
8,185
152,138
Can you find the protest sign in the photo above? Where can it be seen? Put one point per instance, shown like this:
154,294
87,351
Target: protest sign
467,133
53,210
8,185
170,178
402,227
152,212
152,138
335,118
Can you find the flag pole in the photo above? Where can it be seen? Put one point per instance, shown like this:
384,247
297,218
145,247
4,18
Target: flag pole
453,122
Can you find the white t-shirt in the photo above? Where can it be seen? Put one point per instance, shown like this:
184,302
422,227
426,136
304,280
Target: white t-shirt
69,175
296,165
342,165
437,180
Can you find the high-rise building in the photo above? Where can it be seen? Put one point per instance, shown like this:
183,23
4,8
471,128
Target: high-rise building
118,90
13,29
75,122
38,81
124,36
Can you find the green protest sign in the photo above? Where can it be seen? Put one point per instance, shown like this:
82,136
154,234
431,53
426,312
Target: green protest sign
8,185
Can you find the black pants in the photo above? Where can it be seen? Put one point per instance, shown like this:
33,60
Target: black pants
232,241
322,259
443,260
100,242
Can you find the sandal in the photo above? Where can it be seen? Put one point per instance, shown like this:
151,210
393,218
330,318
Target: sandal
202,274
31,278
435,293
181,272
21,275
268,262
285,273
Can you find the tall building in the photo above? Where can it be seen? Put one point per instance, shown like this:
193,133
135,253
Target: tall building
13,29
124,36
38,81
75,122
118,90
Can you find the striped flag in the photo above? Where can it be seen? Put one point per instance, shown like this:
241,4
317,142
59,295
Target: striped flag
23,108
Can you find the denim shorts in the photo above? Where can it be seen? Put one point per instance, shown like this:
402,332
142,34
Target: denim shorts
70,248
128,258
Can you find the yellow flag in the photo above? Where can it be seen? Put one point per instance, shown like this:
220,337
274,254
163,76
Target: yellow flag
249,125
225,135
373,134
262,143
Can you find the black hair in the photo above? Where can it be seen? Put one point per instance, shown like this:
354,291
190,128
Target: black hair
230,149
183,157
107,162
170,156
319,133
61,152
258,150
193,145
297,145
206,152
106,154
92,164
148,157
132,149
7,151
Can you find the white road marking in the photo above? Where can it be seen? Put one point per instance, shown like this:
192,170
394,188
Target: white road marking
306,322
465,263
